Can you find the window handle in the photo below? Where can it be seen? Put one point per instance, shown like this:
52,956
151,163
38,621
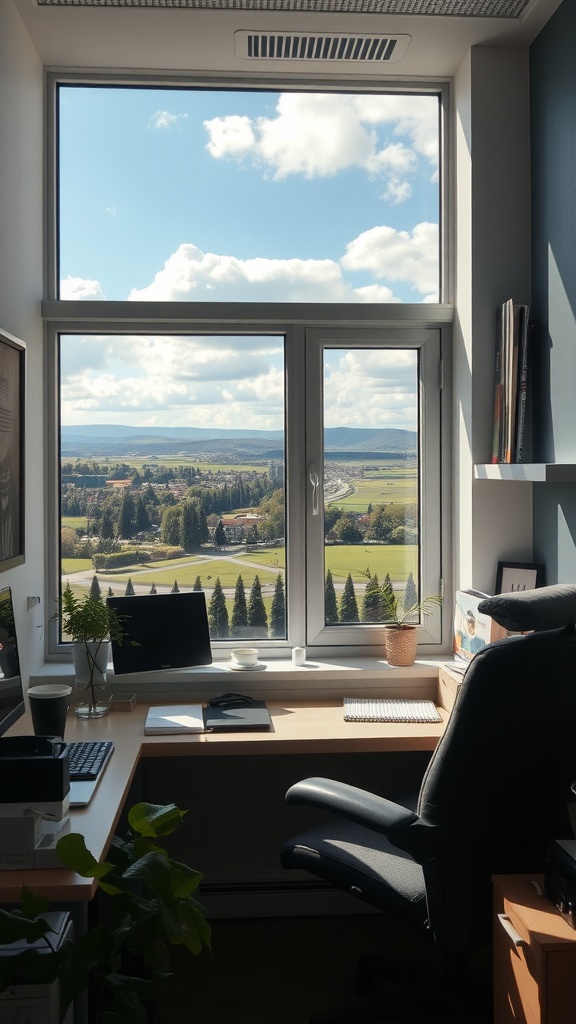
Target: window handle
315,482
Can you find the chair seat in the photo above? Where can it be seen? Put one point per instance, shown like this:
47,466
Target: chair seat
361,862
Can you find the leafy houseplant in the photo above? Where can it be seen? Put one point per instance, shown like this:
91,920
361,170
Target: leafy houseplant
125,961
399,625
91,624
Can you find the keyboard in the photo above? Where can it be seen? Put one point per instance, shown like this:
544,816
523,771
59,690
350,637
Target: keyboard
87,758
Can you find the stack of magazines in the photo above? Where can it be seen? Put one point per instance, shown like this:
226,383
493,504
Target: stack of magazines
510,383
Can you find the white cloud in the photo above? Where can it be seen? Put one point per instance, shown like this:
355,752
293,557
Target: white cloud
229,136
387,382
317,135
397,191
80,288
190,274
164,120
397,255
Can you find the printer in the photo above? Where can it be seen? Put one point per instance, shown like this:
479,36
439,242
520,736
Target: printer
34,800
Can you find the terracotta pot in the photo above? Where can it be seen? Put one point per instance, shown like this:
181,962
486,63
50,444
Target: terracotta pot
400,644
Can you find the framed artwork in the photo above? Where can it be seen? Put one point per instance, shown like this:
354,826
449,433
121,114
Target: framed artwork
512,577
12,405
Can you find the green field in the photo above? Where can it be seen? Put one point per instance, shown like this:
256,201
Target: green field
75,522
379,491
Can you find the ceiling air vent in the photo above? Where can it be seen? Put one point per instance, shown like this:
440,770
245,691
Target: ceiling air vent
320,46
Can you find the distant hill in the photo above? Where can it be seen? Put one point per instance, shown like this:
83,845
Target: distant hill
116,441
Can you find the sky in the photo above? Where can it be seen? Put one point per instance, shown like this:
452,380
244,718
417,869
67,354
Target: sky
216,195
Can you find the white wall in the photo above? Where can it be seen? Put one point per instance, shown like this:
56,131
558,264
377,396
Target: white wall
493,520
20,293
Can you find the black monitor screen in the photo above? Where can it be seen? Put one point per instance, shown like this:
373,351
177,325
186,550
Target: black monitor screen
161,631
11,696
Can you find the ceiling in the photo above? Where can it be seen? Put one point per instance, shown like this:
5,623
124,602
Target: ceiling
181,36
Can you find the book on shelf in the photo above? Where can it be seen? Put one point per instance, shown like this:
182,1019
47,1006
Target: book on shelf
510,382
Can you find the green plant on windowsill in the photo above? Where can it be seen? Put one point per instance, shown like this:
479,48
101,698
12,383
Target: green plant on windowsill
399,620
396,614
90,624
124,963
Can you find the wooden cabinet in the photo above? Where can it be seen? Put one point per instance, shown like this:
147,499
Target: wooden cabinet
534,956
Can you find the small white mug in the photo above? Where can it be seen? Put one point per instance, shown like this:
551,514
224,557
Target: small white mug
246,657
298,655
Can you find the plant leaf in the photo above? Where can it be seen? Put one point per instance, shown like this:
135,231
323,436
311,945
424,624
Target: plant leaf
155,819
73,853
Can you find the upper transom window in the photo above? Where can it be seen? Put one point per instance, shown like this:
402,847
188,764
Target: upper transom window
219,195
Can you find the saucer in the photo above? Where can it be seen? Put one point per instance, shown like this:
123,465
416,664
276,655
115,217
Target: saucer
257,667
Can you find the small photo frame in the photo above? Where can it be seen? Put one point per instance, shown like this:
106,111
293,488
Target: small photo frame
12,385
514,577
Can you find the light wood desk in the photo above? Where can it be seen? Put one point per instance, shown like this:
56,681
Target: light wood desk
298,727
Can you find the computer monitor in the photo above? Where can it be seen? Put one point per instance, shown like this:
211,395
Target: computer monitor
11,695
161,631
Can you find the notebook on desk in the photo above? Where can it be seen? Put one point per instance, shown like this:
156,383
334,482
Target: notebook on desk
172,719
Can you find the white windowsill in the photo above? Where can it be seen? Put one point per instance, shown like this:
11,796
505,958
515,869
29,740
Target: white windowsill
319,678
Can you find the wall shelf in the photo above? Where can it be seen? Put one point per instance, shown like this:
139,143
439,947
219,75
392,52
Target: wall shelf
535,472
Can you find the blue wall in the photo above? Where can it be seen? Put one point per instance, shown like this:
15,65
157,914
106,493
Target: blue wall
553,171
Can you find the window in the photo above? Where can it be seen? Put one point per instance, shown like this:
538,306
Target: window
248,399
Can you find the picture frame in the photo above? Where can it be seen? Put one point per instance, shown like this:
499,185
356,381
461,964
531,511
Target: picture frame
12,411
512,577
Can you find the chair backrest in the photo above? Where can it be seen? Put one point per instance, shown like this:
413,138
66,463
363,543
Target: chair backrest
498,784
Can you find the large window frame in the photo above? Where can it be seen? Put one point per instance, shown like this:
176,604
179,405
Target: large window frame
306,327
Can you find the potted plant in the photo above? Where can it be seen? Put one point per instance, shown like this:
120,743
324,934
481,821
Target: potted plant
147,906
400,627
91,625
400,630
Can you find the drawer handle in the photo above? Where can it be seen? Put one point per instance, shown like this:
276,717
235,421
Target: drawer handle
510,930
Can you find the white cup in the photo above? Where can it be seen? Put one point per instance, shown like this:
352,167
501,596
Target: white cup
245,657
298,655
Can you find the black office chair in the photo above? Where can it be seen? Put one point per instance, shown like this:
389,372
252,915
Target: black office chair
496,789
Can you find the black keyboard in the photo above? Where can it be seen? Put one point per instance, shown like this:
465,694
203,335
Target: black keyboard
87,758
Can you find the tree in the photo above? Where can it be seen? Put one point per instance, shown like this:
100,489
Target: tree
330,602
410,594
95,592
197,584
278,610
373,604
141,518
347,531
126,517
170,529
107,526
257,616
348,603
129,592
239,611
219,535
175,589
218,613
153,589
189,527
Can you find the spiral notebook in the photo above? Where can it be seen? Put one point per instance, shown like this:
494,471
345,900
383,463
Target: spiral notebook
370,710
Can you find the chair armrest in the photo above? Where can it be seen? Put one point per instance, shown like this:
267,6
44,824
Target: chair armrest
375,812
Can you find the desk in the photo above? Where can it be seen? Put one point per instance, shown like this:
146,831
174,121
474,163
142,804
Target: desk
298,727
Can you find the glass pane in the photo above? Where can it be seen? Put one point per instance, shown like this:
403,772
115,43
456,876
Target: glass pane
371,484
161,488
183,194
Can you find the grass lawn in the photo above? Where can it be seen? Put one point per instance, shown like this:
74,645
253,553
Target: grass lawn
379,491
75,522
396,559
208,571
71,565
